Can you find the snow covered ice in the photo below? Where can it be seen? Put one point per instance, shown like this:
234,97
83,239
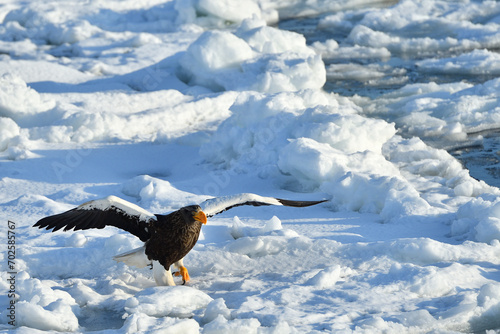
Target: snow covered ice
168,103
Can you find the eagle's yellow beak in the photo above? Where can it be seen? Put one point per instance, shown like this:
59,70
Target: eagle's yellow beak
200,216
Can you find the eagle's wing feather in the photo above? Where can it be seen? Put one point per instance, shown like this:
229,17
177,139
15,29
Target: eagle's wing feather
109,211
217,205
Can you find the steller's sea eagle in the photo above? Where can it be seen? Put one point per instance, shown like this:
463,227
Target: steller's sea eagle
167,238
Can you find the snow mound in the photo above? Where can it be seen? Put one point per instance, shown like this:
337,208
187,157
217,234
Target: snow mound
177,302
240,229
255,57
17,100
362,181
223,326
159,194
39,22
97,253
142,323
114,115
479,219
328,277
259,241
221,13
261,125
488,301
216,308
43,307
56,316
8,130
228,10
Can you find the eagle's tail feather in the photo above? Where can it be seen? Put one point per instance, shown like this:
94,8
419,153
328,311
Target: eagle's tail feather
136,257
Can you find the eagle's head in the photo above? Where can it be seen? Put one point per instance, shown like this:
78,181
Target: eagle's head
193,213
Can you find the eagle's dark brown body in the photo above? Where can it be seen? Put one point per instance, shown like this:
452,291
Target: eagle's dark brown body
171,230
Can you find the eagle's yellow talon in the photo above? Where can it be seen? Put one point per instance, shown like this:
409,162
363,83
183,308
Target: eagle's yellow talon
183,272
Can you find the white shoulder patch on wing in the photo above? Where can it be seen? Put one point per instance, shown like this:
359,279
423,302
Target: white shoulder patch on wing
115,202
214,206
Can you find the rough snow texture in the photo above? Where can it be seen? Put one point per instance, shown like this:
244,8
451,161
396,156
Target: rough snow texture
168,103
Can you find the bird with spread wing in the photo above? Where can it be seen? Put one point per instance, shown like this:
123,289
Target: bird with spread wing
167,238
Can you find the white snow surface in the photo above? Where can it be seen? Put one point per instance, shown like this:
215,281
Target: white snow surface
168,103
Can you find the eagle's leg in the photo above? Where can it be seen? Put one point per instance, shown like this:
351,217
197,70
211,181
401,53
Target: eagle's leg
162,276
182,271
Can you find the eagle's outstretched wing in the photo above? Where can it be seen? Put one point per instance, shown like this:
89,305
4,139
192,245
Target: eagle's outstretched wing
109,211
217,205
